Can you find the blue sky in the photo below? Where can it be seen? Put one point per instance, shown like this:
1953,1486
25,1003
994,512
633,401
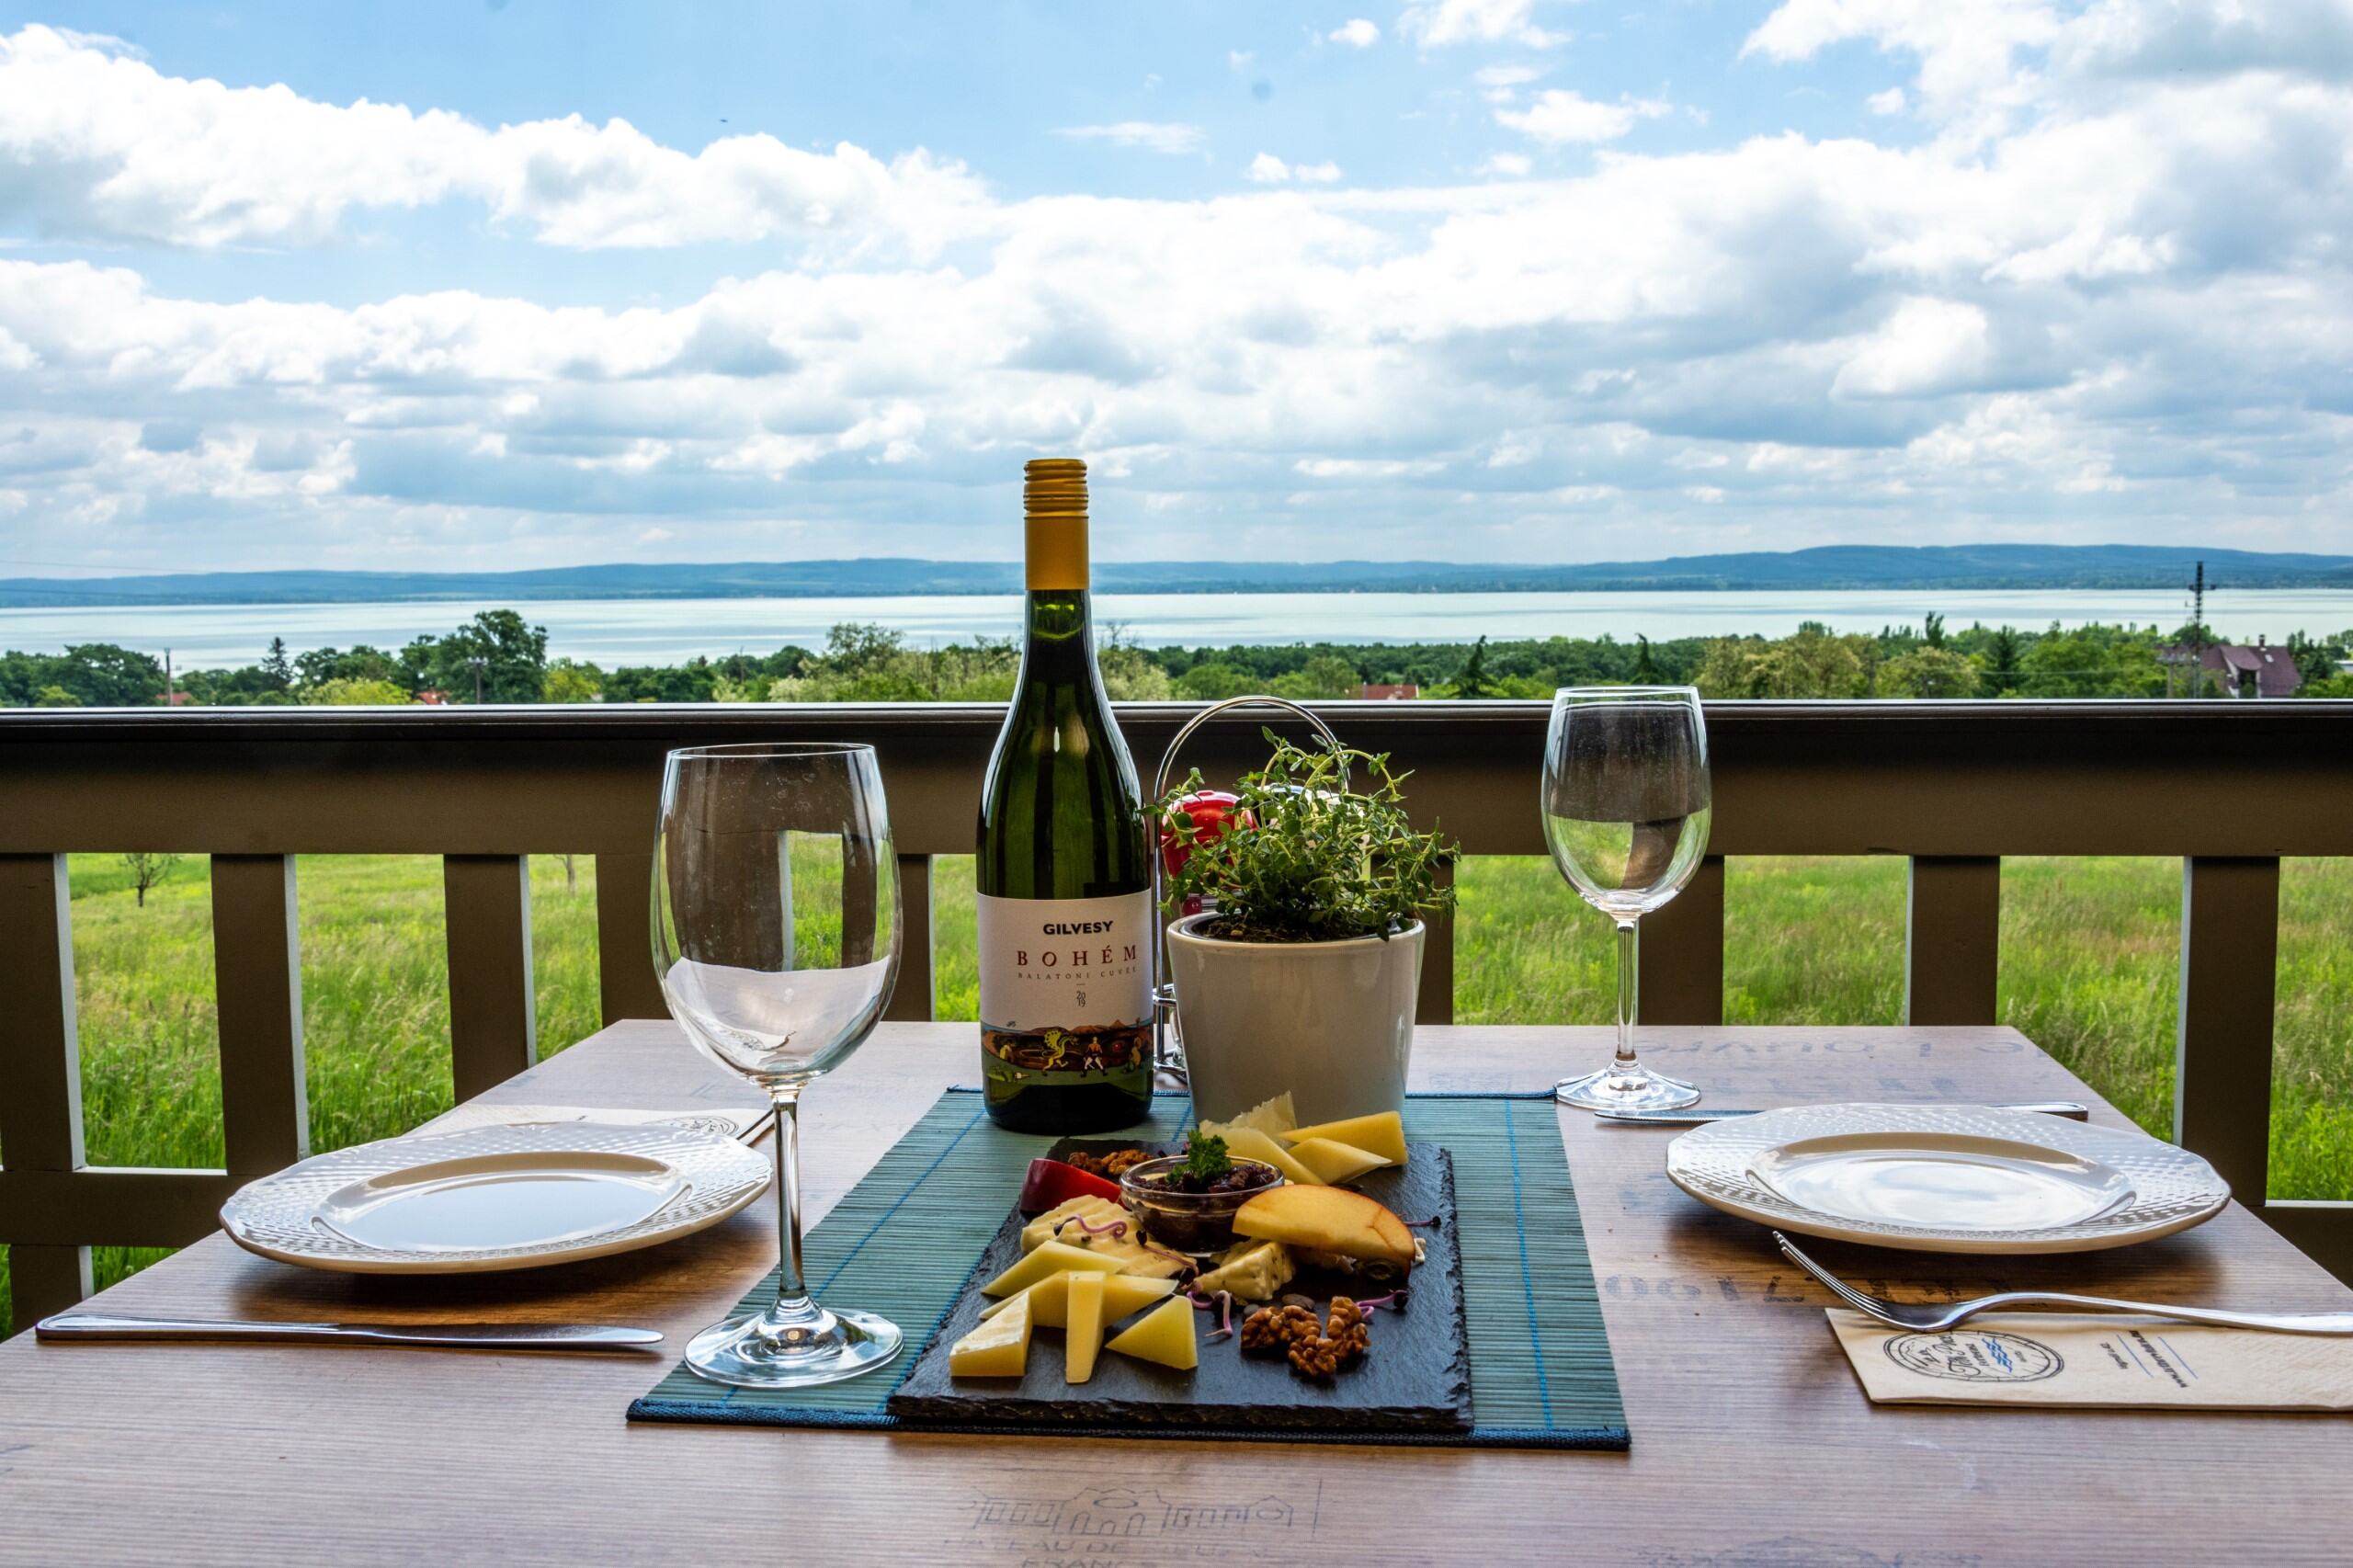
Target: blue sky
527,284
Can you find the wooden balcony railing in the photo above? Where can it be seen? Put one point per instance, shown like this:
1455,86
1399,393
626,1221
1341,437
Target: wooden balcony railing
2228,786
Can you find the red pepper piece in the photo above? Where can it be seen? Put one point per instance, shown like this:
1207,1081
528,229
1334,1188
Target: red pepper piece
1050,1184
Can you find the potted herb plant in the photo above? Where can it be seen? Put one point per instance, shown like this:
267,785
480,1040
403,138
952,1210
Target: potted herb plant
1301,973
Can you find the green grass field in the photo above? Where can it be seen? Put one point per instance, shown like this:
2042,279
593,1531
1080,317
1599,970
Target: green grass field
2088,970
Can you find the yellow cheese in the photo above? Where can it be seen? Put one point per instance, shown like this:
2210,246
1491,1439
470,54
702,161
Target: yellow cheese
1270,1117
1164,1336
1050,1298
1254,1272
1382,1134
1335,1163
1046,1262
997,1347
1134,1256
1084,1335
1249,1143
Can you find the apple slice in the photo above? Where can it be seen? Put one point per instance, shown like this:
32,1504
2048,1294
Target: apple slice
1046,1261
1165,1335
1249,1143
1335,1163
1085,1330
1050,1298
1382,1134
1327,1219
997,1347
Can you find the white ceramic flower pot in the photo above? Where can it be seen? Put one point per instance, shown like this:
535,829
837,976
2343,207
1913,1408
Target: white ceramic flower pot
1332,1022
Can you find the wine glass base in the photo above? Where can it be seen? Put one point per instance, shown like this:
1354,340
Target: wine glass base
759,1352
1628,1088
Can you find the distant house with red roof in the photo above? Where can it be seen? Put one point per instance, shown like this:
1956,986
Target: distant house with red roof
2237,669
1370,693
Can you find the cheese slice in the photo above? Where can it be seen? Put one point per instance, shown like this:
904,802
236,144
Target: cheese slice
1382,1134
1254,1272
1084,1329
1249,1143
1335,1163
1134,1256
1164,1336
1047,1261
1270,1117
1050,1298
997,1347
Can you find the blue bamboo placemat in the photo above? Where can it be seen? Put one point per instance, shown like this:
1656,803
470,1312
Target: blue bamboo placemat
906,1238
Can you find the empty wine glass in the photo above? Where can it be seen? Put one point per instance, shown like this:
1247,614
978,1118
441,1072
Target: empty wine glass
1626,807
776,935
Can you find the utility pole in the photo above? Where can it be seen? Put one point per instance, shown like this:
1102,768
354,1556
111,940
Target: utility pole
478,664
2197,632
167,677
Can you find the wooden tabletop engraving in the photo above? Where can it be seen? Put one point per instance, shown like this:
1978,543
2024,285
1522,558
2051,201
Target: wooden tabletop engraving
1752,1443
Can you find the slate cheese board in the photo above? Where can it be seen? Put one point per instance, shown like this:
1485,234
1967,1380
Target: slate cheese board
1417,1376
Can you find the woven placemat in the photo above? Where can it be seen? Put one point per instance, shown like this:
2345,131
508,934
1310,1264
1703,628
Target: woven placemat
906,1238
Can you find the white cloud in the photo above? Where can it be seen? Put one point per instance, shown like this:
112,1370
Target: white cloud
1511,165
1557,115
1925,347
1433,24
1324,172
1887,102
1157,136
1267,169
1356,33
154,158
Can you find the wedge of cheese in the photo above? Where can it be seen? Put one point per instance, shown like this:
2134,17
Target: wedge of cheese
1254,1272
1273,1116
997,1347
1335,1163
1249,1143
1083,1333
1050,1298
1046,1262
1164,1336
1062,1224
1382,1134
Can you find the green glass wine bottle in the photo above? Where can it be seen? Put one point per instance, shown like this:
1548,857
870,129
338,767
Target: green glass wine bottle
1064,883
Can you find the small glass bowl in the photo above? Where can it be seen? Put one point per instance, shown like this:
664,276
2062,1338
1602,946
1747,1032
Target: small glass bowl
1193,1222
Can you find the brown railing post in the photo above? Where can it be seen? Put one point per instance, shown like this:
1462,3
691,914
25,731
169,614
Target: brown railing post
916,999
2230,954
257,975
1953,932
1435,1002
1683,952
625,937
40,1069
494,1027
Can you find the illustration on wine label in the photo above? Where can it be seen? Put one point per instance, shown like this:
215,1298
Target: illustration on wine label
1064,981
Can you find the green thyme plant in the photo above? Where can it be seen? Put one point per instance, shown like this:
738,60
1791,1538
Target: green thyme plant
1319,849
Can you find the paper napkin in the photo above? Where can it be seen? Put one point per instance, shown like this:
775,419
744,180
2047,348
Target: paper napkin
2098,1359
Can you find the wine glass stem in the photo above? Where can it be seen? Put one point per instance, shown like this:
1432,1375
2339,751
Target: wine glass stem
1629,984
791,1289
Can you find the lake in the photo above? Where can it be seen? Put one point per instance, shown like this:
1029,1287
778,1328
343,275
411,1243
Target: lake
665,631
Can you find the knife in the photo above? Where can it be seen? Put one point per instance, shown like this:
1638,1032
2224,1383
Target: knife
2068,1108
68,1326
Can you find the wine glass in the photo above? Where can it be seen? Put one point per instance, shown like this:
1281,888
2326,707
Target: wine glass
1626,807
776,935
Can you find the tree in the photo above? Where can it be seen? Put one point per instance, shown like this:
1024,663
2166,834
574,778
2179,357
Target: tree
1323,676
1814,663
147,868
322,665
572,680
1935,634
1930,670
1214,682
2004,652
1645,669
350,692
277,667
1472,683
494,655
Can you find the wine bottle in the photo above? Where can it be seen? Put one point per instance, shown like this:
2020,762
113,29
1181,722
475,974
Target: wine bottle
1064,884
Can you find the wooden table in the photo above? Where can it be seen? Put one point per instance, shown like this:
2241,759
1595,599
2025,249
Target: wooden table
1752,1442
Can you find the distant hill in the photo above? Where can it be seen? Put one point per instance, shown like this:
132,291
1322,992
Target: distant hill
1830,567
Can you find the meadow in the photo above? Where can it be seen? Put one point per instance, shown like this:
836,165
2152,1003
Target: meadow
2089,971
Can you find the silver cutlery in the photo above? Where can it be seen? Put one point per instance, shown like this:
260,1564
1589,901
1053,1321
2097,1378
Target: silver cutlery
66,1327
1929,1317
2069,1109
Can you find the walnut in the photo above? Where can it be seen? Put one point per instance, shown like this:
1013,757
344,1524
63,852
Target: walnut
1317,1357
1110,1166
1350,1334
1275,1328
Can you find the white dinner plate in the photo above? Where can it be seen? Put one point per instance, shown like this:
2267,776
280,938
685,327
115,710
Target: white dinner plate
494,1198
1945,1179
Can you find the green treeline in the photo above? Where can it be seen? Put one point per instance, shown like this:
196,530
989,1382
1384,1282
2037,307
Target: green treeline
498,657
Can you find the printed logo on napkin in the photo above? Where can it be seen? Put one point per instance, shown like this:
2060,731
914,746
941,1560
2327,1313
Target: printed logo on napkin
2102,1359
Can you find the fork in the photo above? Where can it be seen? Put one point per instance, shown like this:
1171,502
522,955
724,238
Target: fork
1929,1317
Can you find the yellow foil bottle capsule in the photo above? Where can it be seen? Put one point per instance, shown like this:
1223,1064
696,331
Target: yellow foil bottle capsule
1054,523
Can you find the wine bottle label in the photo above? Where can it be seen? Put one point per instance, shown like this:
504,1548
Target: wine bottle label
1066,982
